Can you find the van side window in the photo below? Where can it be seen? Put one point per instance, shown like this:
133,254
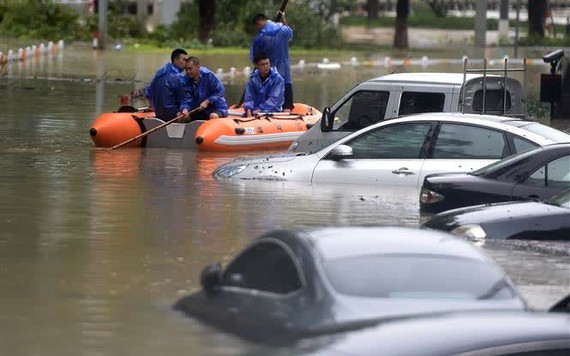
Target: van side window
363,109
465,141
413,102
493,101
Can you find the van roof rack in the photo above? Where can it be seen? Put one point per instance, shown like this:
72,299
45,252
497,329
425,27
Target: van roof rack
484,71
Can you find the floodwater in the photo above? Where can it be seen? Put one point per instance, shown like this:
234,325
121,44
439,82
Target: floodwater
97,245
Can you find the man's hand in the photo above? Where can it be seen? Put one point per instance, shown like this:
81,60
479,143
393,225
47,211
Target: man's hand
283,20
185,117
204,104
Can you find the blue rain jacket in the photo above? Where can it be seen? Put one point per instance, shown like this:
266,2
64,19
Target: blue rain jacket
162,94
273,39
266,95
208,87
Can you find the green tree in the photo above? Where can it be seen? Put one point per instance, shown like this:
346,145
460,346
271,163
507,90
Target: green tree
536,12
372,7
401,26
39,19
439,7
231,23
207,10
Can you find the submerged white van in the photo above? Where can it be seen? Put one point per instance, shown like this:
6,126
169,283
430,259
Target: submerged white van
402,94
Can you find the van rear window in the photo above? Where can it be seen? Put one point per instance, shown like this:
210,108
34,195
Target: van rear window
493,101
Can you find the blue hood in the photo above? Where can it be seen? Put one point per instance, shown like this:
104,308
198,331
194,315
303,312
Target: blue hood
271,28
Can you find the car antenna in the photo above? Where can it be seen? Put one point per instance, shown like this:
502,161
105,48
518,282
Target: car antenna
401,65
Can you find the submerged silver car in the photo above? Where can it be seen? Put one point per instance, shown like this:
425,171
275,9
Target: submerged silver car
402,151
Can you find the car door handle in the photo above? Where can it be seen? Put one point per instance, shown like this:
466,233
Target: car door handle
403,171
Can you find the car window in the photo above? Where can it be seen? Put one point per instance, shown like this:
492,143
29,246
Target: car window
555,174
522,145
493,100
419,102
505,162
392,141
417,276
265,266
363,109
464,141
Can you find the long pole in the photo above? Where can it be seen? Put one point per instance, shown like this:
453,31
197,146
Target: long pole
151,130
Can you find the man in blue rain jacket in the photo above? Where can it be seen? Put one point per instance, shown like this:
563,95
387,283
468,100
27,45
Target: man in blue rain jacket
162,95
265,88
201,88
273,38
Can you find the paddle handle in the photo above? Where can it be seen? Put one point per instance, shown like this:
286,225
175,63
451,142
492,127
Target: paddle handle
281,10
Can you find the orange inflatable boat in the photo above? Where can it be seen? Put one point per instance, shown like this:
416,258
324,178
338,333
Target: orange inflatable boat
263,132
110,129
232,133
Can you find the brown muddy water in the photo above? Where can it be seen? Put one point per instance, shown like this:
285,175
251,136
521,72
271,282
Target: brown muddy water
96,246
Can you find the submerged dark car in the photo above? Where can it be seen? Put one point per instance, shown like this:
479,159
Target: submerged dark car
532,175
301,282
549,220
462,333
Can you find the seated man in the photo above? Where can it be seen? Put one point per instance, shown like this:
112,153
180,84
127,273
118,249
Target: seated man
266,88
161,91
201,88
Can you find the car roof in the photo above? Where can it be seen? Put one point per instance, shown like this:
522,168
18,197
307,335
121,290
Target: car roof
504,332
337,242
532,130
427,78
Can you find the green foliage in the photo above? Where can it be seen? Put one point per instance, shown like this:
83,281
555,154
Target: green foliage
535,109
39,19
310,20
439,7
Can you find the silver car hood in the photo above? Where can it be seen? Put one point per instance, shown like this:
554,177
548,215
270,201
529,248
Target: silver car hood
285,166
274,157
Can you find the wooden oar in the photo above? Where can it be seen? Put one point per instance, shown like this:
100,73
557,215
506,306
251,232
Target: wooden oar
151,130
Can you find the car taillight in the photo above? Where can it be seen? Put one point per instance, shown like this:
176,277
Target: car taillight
429,196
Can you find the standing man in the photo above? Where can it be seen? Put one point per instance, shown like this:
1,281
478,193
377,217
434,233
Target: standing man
265,88
273,38
200,87
160,92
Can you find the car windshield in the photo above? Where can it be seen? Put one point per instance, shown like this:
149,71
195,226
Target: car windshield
497,165
417,276
562,200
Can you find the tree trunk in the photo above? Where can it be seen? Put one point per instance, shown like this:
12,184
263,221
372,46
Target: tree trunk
401,28
207,24
536,12
372,6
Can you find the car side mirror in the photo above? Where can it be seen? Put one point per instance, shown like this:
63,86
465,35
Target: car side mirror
340,152
326,120
211,278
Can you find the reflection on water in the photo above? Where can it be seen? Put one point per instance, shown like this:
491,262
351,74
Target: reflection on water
96,245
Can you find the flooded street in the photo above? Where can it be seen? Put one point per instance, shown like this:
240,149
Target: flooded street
97,245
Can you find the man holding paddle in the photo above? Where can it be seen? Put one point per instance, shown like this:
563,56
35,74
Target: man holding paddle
265,88
273,38
201,89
